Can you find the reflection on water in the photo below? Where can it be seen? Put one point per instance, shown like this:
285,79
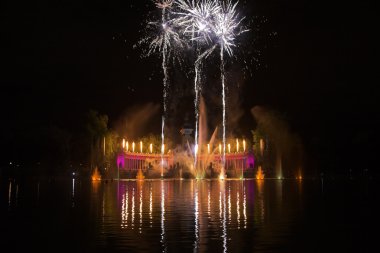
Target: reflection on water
170,215
196,214
163,216
187,210
260,201
244,208
224,236
150,205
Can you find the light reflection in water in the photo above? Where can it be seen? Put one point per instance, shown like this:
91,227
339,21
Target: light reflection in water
124,209
220,205
95,186
133,208
224,236
229,204
238,209
173,214
261,200
244,207
134,202
196,217
150,206
140,211
208,201
163,216
123,219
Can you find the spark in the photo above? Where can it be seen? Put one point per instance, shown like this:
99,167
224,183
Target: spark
206,25
164,40
196,19
228,26
164,4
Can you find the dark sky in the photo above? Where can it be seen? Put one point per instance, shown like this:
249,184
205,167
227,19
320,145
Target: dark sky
61,58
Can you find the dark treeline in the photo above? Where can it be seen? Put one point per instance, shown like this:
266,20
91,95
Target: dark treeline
48,150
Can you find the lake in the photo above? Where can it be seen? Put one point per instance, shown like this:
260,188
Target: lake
189,216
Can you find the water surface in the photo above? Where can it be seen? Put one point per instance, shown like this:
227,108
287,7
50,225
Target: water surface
188,216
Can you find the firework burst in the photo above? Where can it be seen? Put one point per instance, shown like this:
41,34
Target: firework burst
206,25
196,19
228,26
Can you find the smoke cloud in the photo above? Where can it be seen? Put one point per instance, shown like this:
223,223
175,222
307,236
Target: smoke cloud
138,120
288,145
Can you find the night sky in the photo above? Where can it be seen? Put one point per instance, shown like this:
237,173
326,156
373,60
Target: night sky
61,58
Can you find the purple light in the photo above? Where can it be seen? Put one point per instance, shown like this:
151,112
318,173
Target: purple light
250,161
120,161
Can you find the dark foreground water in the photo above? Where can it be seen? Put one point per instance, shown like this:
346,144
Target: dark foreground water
189,216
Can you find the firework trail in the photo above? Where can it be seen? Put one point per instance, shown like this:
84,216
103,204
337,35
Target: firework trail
163,5
195,19
226,29
207,25
224,110
210,23
166,38
197,81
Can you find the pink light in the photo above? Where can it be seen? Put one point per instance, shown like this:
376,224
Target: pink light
250,161
120,161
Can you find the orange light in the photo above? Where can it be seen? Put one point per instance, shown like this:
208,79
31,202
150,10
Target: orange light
96,175
260,175
140,176
261,146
